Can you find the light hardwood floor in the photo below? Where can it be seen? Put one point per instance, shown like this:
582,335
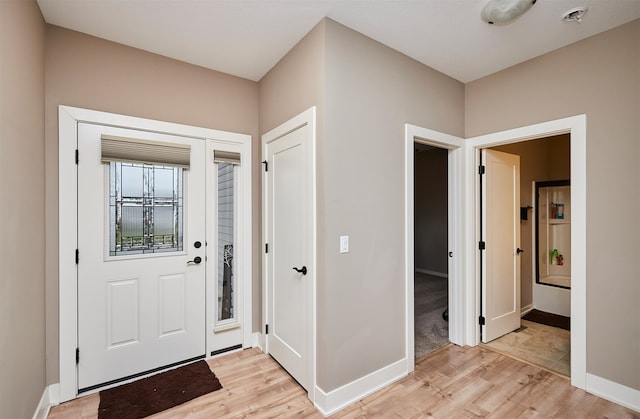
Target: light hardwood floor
454,382
546,346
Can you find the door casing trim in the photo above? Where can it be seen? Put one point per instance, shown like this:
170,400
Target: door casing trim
576,126
68,118
454,145
466,290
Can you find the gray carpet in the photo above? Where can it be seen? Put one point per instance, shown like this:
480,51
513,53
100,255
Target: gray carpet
431,331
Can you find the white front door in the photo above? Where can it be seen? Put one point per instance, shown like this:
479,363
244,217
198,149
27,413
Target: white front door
141,276
289,268
501,236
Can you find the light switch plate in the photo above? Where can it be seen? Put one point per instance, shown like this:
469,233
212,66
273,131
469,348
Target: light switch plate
344,244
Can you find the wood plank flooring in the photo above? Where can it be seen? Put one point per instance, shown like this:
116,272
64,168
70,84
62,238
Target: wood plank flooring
539,344
454,382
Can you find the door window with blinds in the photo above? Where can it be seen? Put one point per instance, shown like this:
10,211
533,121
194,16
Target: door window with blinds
226,163
146,195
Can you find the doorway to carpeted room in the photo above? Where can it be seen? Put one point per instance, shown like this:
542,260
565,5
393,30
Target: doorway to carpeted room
430,303
431,260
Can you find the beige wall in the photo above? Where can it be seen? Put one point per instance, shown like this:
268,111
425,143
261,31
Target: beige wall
372,92
92,73
365,93
599,77
295,83
540,160
22,257
292,86
430,198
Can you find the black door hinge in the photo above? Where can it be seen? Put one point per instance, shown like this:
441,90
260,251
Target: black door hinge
266,247
266,165
482,245
266,329
77,256
481,170
77,355
481,320
77,156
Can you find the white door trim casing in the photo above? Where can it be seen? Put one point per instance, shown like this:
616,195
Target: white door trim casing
466,329
69,117
457,306
576,126
307,118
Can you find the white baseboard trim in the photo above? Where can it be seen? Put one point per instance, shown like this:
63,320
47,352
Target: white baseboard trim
524,310
50,397
432,273
614,392
335,400
258,341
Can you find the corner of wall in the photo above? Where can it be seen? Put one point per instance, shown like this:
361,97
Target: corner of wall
333,401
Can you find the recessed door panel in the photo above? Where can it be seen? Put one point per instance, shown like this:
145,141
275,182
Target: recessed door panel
122,312
288,285
172,308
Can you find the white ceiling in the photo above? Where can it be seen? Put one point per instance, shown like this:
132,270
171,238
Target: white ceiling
247,38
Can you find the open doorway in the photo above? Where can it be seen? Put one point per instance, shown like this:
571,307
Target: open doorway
431,315
453,147
543,338
464,209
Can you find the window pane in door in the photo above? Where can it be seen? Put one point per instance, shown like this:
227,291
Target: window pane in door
145,208
226,280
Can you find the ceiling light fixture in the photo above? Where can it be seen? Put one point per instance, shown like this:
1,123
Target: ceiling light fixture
574,15
504,11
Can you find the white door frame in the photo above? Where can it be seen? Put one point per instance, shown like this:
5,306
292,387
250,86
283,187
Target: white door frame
68,118
308,118
576,126
457,305
464,293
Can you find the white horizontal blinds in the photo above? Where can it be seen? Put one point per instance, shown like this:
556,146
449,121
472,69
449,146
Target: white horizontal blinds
226,157
132,150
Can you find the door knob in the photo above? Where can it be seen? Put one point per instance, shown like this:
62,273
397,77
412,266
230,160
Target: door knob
518,251
195,260
302,271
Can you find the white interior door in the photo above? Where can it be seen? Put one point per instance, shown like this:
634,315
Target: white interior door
141,288
501,232
288,236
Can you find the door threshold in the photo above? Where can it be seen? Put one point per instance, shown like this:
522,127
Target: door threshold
133,377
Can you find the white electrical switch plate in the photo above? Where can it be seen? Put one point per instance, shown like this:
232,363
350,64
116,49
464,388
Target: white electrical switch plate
344,244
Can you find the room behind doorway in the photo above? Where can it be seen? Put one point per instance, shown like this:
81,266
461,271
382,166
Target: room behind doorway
431,248
544,159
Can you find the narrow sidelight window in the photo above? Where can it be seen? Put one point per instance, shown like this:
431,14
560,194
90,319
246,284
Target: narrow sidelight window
226,241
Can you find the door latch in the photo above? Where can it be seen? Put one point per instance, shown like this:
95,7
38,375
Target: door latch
196,260
302,271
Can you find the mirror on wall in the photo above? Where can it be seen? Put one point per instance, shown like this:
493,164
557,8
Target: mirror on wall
553,233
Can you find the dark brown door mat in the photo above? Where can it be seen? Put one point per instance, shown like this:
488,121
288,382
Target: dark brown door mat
159,392
549,319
